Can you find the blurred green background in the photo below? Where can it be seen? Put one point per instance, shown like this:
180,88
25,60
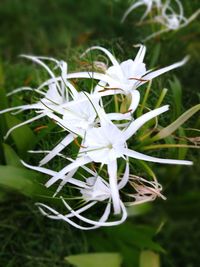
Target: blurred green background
63,29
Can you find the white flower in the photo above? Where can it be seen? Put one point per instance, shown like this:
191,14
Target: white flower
172,20
125,77
51,101
78,116
166,16
106,144
72,110
93,190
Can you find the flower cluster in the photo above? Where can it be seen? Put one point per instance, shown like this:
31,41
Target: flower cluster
99,175
169,18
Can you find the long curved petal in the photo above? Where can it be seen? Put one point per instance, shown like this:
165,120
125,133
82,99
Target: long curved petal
130,9
23,123
99,223
38,61
139,122
140,156
125,177
157,73
109,55
112,172
57,149
60,175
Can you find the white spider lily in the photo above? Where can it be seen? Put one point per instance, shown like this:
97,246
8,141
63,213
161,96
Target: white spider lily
122,183
124,77
106,144
150,4
94,190
170,19
50,102
76,109
78,116
120,78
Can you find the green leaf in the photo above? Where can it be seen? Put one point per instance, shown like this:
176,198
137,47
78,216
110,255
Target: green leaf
3,105
95,260
149,259
177,96
155,55
139,209
23,136
3,196
21,180
11,156
161,97
138,236
165,132
145,167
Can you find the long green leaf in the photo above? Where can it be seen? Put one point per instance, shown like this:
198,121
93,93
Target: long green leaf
21,180
165,132
155,55
11,156
95,260
3,105
177,96
140,237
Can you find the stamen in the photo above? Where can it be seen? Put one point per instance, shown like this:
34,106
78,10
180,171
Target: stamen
130,110
37,129
77,143
139,79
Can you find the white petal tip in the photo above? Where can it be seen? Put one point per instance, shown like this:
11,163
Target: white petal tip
186,59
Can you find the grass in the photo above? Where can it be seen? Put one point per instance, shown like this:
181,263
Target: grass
64,29
30,239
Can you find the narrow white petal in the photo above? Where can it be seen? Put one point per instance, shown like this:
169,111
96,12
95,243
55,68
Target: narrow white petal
67,178
19,90
24,107
64,143
38,61
140,156
118,116
96,224
131,8
101,222
135,99
81,210
39,169
58,216
91,75
112,172
125,177
23,123
48,58
110,56
141,54
60,122
156,73
139,122
60,175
